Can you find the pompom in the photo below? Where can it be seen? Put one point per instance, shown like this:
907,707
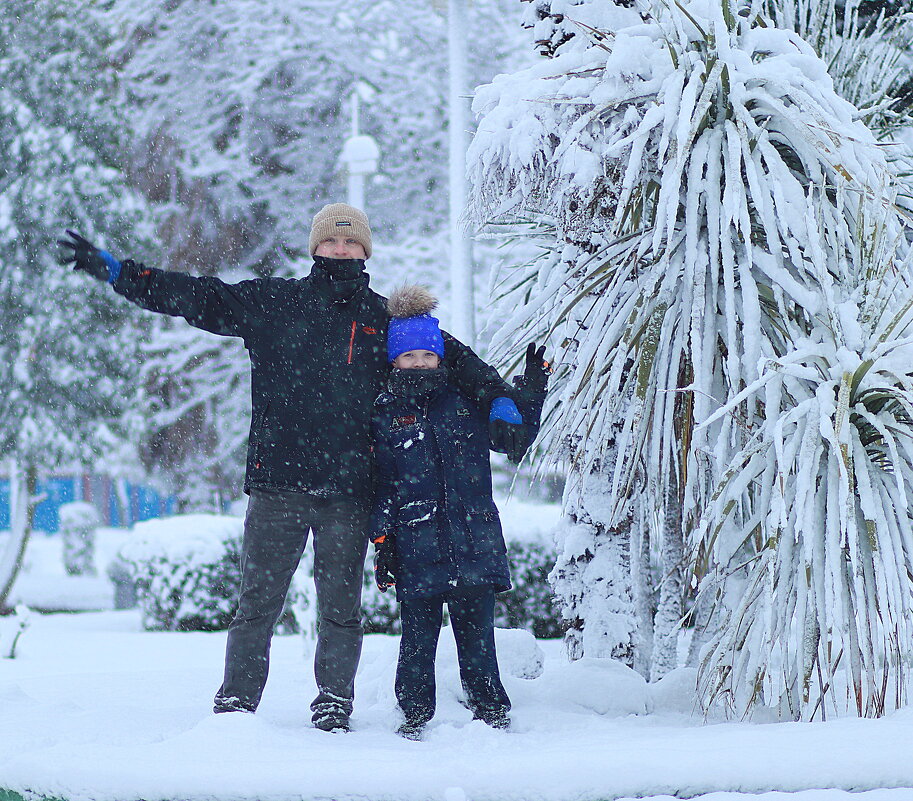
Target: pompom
410,300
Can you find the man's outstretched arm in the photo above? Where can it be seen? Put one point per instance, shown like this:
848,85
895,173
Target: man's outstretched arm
478,381
205,302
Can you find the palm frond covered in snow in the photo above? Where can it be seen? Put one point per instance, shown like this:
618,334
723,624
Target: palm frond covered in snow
867,55
711,196
810,527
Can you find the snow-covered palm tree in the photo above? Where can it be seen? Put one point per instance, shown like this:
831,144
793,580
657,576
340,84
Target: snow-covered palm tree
698,171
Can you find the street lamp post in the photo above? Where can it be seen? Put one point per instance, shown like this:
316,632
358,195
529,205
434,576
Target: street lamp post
461,284
359,158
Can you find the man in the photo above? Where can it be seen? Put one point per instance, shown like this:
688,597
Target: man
317,347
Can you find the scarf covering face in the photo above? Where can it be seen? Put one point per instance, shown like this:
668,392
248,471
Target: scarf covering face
345,276
417,384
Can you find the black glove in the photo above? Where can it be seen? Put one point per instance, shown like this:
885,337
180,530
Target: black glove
537,369
384,562
510,438
84,256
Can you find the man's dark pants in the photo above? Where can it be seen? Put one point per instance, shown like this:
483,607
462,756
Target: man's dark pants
275,533
472,619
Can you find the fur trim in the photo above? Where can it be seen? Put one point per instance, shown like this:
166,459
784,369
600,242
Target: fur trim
410,300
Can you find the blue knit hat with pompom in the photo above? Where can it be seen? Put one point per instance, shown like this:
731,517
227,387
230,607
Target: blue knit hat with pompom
411,326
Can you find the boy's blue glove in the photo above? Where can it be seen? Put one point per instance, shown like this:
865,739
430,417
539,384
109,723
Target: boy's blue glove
87,258
506,430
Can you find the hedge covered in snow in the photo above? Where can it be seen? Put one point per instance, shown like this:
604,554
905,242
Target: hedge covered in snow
186,570
187,575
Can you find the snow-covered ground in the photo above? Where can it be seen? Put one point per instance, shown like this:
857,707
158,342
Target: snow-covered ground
93,708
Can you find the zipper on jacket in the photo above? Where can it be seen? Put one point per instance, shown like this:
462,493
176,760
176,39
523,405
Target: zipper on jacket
352,340
454,563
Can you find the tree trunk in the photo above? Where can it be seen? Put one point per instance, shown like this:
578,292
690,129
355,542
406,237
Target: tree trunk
667,622
22,507
643,587
592,575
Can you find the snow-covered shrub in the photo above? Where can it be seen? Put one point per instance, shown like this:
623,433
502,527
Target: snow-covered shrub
187,571
78,524
530,605
187,576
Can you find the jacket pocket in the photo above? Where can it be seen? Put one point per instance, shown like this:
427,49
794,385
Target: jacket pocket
417,533
485,531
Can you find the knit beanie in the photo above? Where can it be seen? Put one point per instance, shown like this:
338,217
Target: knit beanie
338,219
411,326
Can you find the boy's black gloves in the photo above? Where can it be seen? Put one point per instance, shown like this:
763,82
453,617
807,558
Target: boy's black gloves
384,562
84,256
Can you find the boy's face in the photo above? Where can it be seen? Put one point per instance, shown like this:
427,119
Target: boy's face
417,360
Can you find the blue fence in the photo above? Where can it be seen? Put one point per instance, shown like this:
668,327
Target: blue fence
119,503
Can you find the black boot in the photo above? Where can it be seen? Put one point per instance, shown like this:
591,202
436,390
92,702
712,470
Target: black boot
496,718
411,730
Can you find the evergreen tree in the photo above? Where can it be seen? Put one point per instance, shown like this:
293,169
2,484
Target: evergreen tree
66,364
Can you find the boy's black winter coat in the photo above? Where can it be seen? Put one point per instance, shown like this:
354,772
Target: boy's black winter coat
434,494
317,365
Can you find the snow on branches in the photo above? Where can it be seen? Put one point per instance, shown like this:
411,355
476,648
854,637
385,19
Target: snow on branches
709,207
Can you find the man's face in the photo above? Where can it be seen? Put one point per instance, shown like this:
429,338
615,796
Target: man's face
417,360
340,247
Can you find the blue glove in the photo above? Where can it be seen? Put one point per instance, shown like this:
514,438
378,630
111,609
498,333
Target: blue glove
87,258
505,409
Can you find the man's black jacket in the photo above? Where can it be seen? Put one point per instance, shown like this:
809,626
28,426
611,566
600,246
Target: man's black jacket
317,366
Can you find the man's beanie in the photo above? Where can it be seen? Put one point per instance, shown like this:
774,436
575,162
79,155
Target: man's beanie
411,326
338,219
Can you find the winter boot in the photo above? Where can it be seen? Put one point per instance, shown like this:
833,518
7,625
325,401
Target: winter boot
230,703
496,718
411,730
335,721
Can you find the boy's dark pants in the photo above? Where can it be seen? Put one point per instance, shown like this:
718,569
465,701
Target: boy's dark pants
472,620
275,533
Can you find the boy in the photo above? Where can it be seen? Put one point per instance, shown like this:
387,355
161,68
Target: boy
434,524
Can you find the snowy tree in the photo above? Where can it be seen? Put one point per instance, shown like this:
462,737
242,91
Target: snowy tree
246,107
690,177
196,387
66,365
